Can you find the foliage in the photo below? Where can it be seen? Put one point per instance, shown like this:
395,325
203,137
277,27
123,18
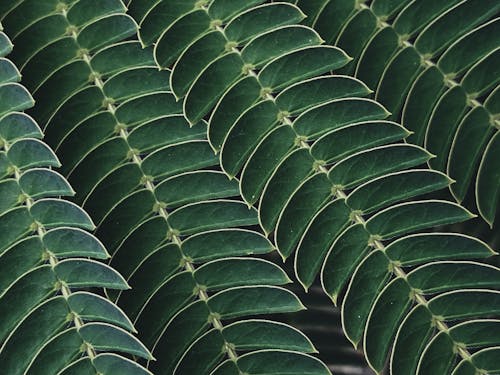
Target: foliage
48,260
325,171
434,65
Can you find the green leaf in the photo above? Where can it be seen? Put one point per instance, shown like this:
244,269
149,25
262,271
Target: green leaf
54,212
410,217
311,92
337,113
9,194
392,188
105,31
18,259
225,243
156,17
272,44
164,131
29,153
245,134
342,259
135,82
8,72
196,186
367,282
188,156
23,295
253,334
474,132
113,59
231,303
424,247
436,277
28,337
483,359
339,143
230,272
224,9
81,13
103,336
91,307
210,84
16,125
274,362
41,183
82,273
259,19
387,313
17,223
301,64
109,363
175,293
487,192
286,178
194,59
209,215
66,242
299,210
440,353
238,98
366,165
319,235
179,35
264,160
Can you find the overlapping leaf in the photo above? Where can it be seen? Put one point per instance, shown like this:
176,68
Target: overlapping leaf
170,218
434,65
333,179
50,273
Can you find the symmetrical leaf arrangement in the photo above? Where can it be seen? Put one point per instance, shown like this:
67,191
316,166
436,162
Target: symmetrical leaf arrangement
435,66
147,179
48,260
243,90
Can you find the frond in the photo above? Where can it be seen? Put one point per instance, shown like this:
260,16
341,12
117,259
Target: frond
331,173
53,316
172,222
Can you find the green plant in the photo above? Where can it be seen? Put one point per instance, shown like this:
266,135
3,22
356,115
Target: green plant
434,65
48,260
310,158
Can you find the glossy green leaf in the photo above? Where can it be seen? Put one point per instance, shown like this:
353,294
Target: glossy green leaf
209,215
487,191
82,273
260,19
289,174
335,114
231,272
367,282
211,84
392,188
365,165
179,35
410,217
299,210
425,247
301,64
274,362
195,186
306,94
245,134
225,243
342,259
347,140
322,230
